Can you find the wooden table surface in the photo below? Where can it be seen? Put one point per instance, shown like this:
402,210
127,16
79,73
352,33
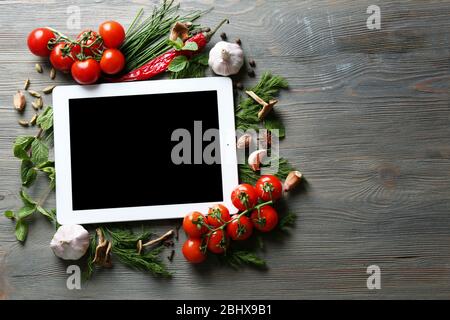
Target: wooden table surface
368,123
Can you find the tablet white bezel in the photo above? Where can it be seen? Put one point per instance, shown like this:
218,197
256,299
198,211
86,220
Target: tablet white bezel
61,96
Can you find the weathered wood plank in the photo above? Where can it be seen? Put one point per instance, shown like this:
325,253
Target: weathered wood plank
368,122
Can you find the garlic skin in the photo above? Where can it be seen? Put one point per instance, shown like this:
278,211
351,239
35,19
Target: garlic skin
226,58
70,242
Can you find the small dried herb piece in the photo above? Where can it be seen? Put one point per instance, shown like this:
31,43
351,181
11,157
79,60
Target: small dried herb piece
172,254
19,101
223,36
24,123
38,67
238,41
33,119
52,73
34,93
48,89
252,63
37,103
26,84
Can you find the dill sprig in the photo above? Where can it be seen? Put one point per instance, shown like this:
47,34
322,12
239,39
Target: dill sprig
147,39
247,110
239,258
124,248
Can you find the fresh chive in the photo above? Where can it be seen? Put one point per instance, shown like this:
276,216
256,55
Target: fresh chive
147,38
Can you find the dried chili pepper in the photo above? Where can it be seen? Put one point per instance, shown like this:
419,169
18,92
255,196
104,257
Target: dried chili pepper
161,63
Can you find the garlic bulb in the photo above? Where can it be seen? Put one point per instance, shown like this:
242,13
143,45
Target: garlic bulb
226,58
70,242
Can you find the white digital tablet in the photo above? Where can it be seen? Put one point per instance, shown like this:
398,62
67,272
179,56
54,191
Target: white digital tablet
144,150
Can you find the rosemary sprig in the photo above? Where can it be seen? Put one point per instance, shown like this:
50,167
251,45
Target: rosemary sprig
147,39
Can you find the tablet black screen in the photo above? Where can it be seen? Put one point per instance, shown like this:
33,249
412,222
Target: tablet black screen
121,150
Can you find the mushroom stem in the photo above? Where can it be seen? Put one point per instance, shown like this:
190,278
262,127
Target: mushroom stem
168,234
266,107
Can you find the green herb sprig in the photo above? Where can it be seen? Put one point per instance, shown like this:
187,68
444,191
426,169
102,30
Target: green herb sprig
147,39
33,151
124,248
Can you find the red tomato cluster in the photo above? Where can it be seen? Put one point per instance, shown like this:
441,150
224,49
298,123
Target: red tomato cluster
213,232
87,57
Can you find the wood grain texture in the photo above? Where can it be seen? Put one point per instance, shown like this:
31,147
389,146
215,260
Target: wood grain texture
368,123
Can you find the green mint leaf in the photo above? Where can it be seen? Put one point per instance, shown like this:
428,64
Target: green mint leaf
272,122
45,119
9,214
46,164
21,146
51,215
178,64
25,212
51,174
39,152
190,46
177,45
21,230
26,199
27,173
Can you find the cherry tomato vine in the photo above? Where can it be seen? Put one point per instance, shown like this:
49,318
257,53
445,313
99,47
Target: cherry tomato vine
213,232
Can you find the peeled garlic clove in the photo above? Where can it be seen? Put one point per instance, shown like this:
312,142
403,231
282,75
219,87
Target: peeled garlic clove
244,141
255,158
70,242
226,58
19,101
292,180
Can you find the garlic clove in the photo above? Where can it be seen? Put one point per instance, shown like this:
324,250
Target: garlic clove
255,159
292,180
70,242
19,101
244,141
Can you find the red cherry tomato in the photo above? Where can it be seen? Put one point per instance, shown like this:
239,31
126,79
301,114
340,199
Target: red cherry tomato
92,42
218,241
86,71
38,41
61,57
193,224
266,220
112,61
113,34
268,187
218,215
192,251
240,228
244,197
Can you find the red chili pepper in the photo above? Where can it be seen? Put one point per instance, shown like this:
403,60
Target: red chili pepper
161,63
